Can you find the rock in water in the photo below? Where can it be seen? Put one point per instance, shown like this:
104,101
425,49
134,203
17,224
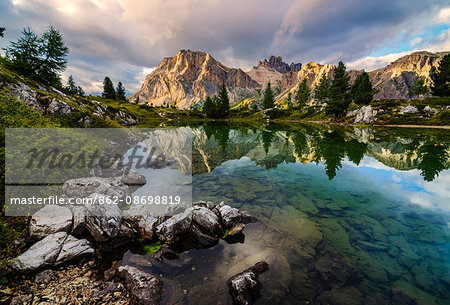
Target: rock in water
175,227
245,286
83,187
141,220
41,254
144,288
230,216
73,248
50,219
207,220
131,177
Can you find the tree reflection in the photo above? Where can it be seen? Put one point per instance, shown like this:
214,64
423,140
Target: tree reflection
433,159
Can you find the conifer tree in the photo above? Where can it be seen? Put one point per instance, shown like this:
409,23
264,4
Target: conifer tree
419,88
120,92
441,78
269,100
209,108
321,91
303,94
338,93
362,90
108,89
223,103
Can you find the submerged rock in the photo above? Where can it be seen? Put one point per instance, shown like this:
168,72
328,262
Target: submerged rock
50,219
144,288
245,286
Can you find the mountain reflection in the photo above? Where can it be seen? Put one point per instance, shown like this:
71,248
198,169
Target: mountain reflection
270,145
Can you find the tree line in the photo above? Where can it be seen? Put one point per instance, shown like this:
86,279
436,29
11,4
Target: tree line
217,107
338,94
42,59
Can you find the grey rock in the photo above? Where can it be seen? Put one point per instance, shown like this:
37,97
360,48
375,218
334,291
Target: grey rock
44,277
41,254
50,219
79,219
236,229
83,187
59,107
199,239
365,115
175,227
230,216
26,95
131,177
22,299
86,121
73,248
103,222
144,288
207,220
141,220
245,287
408,109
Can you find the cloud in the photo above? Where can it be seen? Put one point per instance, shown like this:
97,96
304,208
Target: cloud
120,38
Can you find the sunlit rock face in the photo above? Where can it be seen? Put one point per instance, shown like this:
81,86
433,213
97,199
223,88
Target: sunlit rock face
272,70
392,81
189,77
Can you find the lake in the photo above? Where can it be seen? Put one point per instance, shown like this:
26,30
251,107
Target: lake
346,215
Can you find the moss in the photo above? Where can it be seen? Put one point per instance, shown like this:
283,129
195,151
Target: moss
150,247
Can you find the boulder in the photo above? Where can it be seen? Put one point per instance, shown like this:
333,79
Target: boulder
141,220
50,219
230,216
131,177
59,107
79,219
41,254
408,109
365,115
171,230
73,248
245,287
143,287
199,239
207,220
103,222
83,187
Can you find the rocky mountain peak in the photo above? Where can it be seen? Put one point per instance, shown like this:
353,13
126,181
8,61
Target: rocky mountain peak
276,63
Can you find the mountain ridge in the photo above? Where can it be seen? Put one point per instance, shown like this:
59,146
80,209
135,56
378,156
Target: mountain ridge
186,79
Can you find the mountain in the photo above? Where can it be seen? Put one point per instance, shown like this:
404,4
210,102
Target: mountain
189,77
272,70
392,81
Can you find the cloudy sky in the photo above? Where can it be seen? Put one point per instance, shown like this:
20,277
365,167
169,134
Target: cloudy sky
125,39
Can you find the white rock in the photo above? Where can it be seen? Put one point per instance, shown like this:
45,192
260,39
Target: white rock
366,115
175,227
141,220
50,219
59,107
73,248
83,187
207,220
408,109
41,254
103,220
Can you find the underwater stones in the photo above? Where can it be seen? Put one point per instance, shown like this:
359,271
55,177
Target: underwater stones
50,219
245,286
341,296
144,288
41,254
335,235
372,246
334,268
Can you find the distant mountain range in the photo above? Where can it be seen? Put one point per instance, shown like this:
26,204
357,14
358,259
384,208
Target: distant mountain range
190,76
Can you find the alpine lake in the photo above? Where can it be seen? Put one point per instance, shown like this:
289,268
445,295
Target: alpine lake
346,215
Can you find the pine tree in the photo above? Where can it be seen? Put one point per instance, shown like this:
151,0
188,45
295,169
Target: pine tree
303,94
24,53
321,91
54,56
80,91
71,87
419,88
108,89
362,90
223,103
2,30
338,93
289,100
209,108
120,92
269,100
441,78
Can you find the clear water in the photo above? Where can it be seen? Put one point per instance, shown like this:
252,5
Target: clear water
346,216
